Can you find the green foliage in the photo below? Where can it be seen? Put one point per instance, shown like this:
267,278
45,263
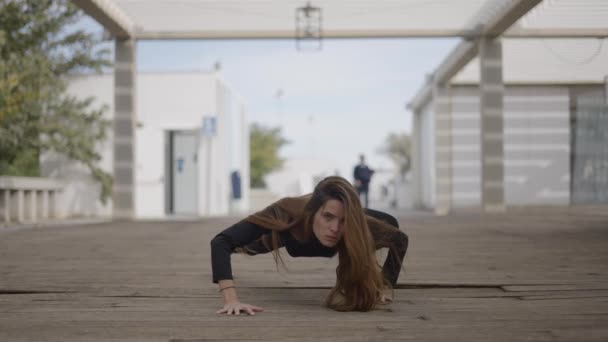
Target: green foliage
264,145
398,147
37,54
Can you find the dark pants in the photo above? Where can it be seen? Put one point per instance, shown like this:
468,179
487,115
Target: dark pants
364,189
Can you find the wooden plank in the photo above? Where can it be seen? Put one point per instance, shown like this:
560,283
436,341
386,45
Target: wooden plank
556,287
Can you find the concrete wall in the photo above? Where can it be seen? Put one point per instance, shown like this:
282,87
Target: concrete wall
427,157
166,102
536,150
80,196
228,151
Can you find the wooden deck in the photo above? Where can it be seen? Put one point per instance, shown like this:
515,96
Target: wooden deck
529,275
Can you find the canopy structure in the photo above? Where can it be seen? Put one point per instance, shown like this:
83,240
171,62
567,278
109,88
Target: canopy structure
480,24
224,19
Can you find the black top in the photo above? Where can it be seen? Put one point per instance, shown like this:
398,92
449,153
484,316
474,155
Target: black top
246,234
363,173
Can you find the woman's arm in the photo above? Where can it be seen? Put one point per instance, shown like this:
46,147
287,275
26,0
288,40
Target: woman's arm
224,243
240,234
392,238
397,247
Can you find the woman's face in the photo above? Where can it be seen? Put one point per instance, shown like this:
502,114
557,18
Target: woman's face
328,225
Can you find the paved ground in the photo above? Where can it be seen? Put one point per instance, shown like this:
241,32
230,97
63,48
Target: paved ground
529,275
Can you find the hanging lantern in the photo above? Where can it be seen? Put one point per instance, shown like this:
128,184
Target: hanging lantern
308,28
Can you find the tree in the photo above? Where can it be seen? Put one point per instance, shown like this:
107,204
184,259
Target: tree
398,148
264,145
38,52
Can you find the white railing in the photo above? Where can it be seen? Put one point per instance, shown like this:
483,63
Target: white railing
27,199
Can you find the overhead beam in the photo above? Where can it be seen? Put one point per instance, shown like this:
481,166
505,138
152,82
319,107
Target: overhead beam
456,60
509,15
464,52
289,34
362,34
110,16
555,33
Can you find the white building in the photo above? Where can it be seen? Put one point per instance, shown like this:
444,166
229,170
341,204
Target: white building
191,145
554,112
299,176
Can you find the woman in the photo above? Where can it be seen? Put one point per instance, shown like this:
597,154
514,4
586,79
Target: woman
328,221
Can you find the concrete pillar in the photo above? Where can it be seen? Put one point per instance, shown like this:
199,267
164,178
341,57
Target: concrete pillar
44,212
7,205
33,205
492,149
123,195
53,207
20,205
606,90
443,149
416,160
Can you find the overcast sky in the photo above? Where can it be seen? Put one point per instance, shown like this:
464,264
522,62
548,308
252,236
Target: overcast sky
334,104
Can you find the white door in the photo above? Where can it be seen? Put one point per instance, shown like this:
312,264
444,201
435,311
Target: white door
185,169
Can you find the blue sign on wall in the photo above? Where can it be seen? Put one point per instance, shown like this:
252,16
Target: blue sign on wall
180,165
209,127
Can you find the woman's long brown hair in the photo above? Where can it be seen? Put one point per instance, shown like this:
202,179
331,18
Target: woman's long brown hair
359,278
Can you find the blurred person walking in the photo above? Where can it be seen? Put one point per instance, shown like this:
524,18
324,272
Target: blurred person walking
363,175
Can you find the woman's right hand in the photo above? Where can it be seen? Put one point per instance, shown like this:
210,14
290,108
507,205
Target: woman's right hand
236,308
